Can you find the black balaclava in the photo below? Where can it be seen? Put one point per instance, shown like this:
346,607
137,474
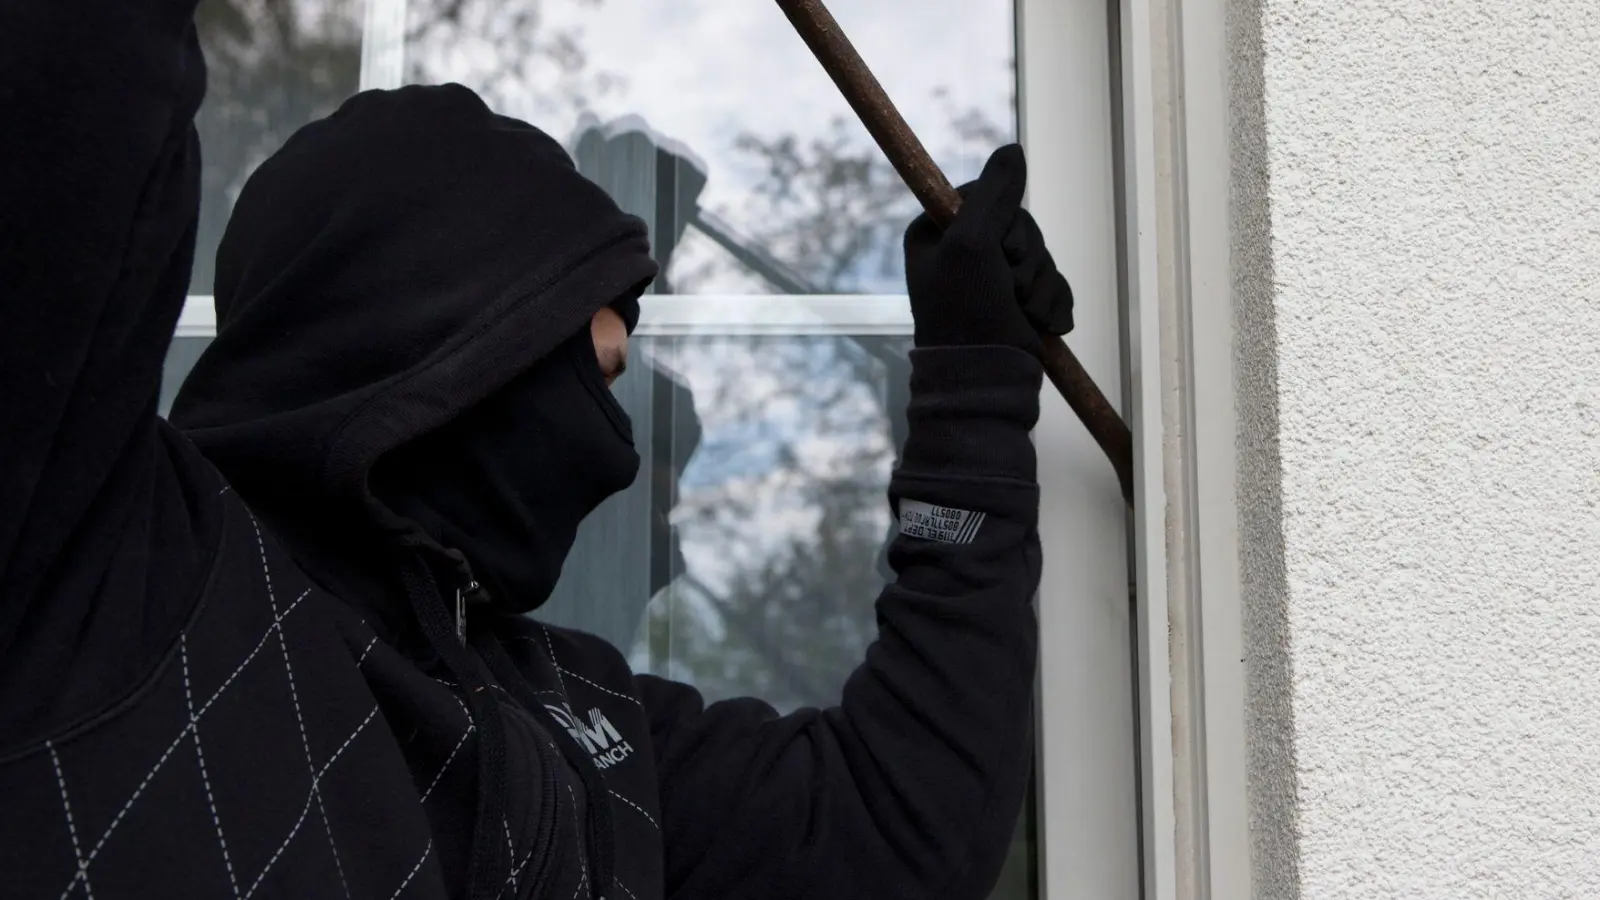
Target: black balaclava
507,483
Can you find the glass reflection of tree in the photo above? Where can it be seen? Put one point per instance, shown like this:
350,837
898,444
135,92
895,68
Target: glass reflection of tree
274,65
796,614
780,520
508,52
831,208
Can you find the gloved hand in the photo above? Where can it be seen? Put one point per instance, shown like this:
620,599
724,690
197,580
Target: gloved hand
988,279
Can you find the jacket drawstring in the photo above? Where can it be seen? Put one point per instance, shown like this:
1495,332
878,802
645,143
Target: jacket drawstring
486,871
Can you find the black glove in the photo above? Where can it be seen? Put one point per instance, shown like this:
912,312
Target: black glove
988,278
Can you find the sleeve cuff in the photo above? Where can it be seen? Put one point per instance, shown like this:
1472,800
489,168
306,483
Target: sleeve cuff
971,412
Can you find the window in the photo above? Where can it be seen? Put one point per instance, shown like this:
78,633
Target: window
770,406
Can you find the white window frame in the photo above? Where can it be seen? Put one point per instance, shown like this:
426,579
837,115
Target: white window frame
383,45
1157,86
663,315
1180,86
1089,815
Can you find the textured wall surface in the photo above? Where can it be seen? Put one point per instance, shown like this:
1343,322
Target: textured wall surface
1417,256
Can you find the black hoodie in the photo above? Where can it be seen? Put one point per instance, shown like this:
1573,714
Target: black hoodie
225,670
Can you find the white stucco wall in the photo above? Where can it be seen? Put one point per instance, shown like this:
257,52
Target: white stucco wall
1418,273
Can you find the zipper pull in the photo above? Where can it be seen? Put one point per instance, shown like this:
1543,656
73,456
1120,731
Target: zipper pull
461,610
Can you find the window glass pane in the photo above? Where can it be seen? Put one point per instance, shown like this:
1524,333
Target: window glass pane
767,159
779,515
181,357
270,68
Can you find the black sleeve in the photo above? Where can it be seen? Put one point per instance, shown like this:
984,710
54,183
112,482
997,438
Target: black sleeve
99,182
911,786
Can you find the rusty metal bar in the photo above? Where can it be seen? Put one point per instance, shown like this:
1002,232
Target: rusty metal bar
938,196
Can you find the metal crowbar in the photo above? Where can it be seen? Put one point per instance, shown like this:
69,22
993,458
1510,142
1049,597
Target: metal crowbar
938,196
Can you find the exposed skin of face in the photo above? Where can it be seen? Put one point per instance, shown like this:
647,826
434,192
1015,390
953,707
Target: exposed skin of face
610,335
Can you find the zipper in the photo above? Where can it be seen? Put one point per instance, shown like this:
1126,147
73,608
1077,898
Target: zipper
555,762
549,822
468,592
543,843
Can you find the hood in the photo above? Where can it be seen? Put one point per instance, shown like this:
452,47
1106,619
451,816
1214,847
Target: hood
390,267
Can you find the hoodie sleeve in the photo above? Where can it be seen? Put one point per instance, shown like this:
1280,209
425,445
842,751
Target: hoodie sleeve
912,785
99,189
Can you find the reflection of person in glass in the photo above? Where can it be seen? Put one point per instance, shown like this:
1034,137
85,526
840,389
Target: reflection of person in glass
281,652
606,587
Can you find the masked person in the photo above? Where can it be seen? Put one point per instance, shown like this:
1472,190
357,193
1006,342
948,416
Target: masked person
280,649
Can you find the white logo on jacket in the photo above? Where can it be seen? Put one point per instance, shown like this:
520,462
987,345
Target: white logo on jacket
595,734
